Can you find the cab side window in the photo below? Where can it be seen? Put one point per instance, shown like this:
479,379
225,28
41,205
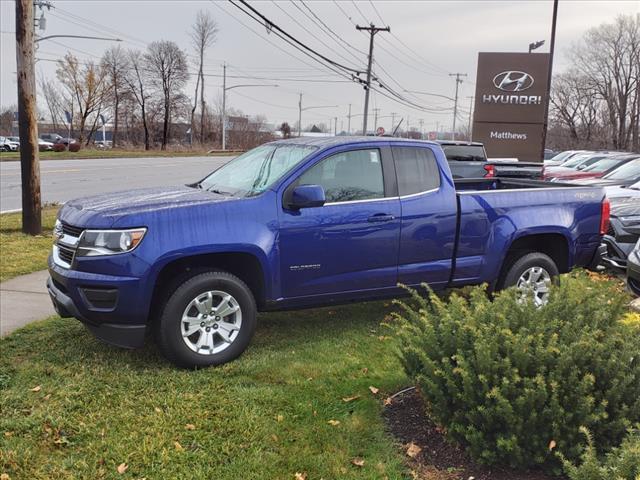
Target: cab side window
348,176
416,168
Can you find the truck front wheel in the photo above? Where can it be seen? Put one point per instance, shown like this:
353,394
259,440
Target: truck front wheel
209,319
532,274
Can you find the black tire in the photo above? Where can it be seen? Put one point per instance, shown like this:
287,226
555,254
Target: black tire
634,286
520,264
168,331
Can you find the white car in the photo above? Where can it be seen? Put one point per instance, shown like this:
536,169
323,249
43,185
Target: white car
43,145
7,145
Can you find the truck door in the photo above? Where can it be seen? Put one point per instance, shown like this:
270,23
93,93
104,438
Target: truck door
351,243
429,216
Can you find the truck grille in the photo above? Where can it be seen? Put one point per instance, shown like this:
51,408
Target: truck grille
66,254
71,230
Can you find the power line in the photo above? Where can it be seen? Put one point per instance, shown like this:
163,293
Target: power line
274,27
309,31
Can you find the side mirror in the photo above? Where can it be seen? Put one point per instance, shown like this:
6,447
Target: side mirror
307,196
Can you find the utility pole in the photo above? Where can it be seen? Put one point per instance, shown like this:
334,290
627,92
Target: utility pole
335,126
349,122
27,118
224,105
470,97
372,29
375,117
455,104
552,47
421,122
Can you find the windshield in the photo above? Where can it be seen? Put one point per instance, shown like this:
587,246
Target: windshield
464,152
604,165
580,159
256,170
562,156
628,171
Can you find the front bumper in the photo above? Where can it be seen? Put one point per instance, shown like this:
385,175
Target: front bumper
633,272
109,306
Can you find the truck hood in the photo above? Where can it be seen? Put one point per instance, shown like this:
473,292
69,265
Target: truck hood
102,211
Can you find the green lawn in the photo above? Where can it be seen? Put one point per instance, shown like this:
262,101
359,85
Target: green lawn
90,153
75,408
20,253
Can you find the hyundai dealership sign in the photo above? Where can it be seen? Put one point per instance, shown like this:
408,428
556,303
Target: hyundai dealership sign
511,91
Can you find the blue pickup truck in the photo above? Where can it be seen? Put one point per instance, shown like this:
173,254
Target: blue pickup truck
306,222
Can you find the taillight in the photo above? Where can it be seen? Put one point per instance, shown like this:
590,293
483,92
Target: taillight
605,216
491,171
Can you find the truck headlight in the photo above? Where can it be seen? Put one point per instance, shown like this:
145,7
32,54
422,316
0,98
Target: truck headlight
109,242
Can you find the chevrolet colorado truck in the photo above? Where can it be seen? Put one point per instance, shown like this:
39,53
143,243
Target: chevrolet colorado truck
301,223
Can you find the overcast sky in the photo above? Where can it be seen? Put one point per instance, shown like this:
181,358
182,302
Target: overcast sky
447,35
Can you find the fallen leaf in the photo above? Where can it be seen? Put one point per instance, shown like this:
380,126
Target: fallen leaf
413,450
334,423
47,396
358,462
309,379
36,389
350,399
8,434
157,410
5,476
274,437
178,446
387,401
374,390
190,426
280,418
301,476
122,468
552,444
365,370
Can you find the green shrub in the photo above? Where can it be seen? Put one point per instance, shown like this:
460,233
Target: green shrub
511,382
621,463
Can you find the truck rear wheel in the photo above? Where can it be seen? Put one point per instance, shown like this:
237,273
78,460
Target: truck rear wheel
532,274
209,319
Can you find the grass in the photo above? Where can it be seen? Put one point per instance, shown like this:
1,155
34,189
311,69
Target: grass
90,153
20,253
75,408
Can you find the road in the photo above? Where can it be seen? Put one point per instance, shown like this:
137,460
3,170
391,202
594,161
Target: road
63,180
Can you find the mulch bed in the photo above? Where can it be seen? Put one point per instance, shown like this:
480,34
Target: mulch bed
439,459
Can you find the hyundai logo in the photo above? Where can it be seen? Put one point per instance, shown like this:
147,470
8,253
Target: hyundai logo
513,81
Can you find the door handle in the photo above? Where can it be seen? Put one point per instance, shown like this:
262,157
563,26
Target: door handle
381,217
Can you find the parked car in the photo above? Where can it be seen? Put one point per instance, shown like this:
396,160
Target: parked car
14,139
44,145
624,226
7,145
633,270
562,157
469,160
57,139
598,169
625,175
549,154
307,222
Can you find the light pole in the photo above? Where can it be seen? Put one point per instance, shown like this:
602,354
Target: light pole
300,110
224,101
534,45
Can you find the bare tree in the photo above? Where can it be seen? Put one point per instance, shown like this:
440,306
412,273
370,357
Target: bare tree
116,64
86,85
53,99
6,119
166,66
135,80
608,58
203,35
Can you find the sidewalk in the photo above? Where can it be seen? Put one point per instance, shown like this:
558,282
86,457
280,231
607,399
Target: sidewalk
24,300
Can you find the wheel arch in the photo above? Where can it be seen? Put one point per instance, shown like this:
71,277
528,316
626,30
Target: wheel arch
244,265
554,244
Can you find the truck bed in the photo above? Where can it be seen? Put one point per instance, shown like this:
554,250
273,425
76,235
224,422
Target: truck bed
483,184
